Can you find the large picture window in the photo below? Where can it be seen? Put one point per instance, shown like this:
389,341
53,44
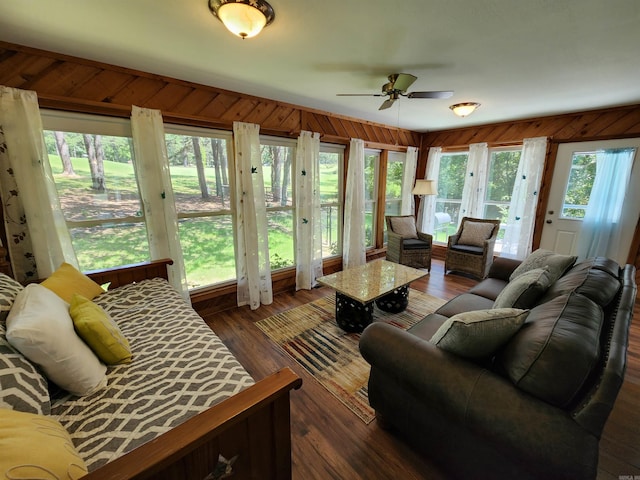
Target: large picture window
331,168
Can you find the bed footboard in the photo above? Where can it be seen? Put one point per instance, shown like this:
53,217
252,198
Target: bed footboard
251,431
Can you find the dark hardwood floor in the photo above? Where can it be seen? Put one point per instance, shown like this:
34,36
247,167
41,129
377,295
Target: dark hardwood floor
330,442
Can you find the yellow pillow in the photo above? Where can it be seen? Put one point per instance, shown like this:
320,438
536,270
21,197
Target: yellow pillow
99,331
67,280
36,446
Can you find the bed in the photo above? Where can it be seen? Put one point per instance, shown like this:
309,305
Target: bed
184,408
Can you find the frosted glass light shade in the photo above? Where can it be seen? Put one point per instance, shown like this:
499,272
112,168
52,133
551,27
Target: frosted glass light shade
464,109
244,18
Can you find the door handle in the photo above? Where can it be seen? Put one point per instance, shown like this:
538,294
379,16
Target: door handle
549,221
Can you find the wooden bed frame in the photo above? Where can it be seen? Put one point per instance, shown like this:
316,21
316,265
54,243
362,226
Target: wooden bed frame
252,429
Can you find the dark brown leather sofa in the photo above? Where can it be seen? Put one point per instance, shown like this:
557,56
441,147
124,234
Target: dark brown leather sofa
537,408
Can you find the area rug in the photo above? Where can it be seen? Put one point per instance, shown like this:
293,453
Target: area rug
309,334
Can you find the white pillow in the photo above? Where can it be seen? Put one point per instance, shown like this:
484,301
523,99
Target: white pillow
40,327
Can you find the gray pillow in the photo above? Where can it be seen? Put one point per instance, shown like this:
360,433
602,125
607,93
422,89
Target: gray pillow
524,290
405,226
475,233
478,334
22,385
557,264
9,290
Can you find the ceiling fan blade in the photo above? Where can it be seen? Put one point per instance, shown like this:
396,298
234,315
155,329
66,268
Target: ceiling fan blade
402,81
360,95
438,94
387,103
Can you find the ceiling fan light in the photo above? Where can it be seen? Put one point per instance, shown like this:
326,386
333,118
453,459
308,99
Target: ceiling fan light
464,109
244,18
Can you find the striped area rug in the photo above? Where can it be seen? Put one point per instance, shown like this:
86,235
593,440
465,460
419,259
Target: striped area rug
309,334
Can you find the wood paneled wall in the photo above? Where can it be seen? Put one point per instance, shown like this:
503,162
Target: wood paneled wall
604,124
75,84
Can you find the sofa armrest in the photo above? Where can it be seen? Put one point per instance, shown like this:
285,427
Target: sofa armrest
502,268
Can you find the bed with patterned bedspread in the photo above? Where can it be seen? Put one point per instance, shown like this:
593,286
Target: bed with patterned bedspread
183,408
179,368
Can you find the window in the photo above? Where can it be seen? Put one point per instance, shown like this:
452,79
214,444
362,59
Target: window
277,158
393,191
331,164
581,178
198,165
451,179
371,165
91,160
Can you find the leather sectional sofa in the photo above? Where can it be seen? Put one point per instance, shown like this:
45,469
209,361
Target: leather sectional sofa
535,407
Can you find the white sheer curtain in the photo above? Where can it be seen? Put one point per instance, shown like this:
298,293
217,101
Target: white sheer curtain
308,216
475,181
253,269
518,236
353,245
427,208
27,157
151,165
407,206
601,227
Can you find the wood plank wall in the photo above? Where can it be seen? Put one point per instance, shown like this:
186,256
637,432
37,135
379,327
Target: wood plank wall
604,124
75,84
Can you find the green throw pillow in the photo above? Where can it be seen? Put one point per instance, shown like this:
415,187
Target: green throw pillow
524,290
557,264
99,331
479,333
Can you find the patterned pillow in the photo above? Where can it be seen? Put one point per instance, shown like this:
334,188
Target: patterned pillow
479,333
22,386
557,264
405,226
475,233
9,289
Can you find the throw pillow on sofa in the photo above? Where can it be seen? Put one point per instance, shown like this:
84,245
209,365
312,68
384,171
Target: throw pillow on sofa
36,446
478,334
40,327
556,263
524,290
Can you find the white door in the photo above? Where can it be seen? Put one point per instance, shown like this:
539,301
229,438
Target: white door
561,229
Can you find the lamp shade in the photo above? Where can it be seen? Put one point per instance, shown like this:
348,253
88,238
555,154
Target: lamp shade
425,187
244,18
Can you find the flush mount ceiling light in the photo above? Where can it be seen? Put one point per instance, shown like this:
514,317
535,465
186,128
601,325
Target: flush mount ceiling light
244,18
464,109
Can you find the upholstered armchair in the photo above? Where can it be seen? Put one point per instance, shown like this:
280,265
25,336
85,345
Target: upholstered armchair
470,250
405,244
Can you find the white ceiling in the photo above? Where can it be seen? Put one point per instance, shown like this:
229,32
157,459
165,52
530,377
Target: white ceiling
518,58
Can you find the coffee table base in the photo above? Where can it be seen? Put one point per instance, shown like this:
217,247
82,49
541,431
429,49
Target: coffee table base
351,315
396,301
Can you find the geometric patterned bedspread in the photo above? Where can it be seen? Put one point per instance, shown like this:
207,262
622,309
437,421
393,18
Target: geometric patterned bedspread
180,367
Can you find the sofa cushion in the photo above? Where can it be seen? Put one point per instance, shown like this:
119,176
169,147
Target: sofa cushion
22,385
36,446
556,350
405,226
428,326
489,288
475,233
557,264
595,278
478,334
463,303
40,327
524,290
414,244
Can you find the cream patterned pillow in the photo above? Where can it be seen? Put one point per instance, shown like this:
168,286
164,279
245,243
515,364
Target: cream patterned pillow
405,226
478,334
475,233
524,290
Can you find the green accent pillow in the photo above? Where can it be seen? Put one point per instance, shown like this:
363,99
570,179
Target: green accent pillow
556,263
99,331
524,290
67,280
478,334
37,446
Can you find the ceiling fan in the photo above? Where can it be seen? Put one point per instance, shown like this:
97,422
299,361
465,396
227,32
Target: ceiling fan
397,87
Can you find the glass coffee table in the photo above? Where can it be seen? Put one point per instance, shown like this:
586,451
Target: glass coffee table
357,289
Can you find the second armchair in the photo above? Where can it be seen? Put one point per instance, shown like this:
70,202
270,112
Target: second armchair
405,244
